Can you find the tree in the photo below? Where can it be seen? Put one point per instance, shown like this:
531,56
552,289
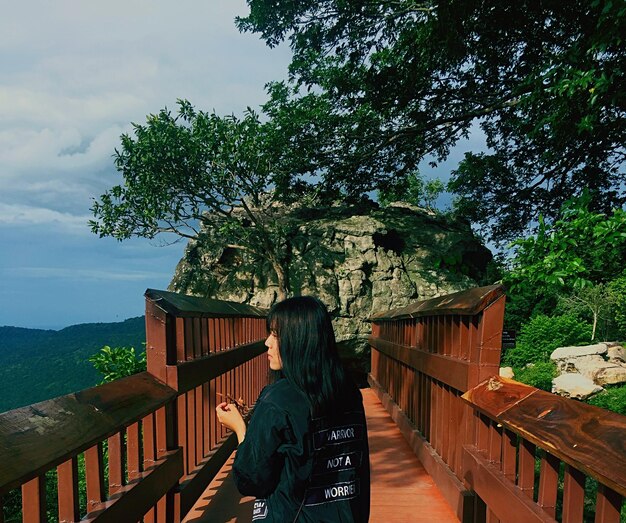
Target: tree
617,289
413,189
195,172
400,80
597,300
580,250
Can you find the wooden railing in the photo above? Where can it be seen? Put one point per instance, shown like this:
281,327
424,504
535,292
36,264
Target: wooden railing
145,447
518,427
498,450
141,448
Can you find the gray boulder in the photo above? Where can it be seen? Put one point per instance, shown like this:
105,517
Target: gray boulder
575,386
576,352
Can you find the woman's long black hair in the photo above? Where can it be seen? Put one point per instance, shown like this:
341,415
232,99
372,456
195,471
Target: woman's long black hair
309,354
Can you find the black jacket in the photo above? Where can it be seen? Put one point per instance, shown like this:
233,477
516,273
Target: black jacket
287,457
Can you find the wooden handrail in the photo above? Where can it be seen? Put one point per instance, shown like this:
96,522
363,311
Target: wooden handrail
463,303
183,306
587,437
514,420
41,436
159,428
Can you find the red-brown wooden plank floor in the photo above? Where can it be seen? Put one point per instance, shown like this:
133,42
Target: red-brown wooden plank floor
401,490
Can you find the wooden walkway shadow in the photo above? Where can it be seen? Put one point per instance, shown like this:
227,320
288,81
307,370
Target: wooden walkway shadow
402,491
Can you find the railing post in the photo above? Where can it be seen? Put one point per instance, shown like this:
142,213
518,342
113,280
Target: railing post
196,347
159,344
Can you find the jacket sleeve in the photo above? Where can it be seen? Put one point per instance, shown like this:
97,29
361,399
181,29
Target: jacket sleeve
259,462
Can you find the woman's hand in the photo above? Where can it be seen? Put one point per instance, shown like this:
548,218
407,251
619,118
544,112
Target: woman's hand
229,416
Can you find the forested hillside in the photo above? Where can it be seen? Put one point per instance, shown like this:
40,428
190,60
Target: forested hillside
36,365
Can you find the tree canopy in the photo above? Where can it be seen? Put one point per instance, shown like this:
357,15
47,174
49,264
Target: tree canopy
196,169
578,258
386,83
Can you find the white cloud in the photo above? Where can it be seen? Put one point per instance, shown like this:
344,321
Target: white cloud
78,73
16,215
73,75
82,274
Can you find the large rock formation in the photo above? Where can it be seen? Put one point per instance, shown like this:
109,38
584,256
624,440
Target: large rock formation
357,261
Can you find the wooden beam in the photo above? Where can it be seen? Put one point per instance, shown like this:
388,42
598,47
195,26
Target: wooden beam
448,370
190,374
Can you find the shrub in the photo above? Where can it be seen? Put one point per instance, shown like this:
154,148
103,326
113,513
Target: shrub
118,362
543,334
539,375
611,399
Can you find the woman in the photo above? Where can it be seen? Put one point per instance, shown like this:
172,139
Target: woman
304,455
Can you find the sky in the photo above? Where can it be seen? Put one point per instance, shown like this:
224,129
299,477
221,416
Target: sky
73,76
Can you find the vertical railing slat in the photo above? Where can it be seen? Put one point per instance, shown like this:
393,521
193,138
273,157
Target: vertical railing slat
573,495
197,337
526,468
509,450
445,421
190,397
180,339
34,500
199,415
94,476
548,483
149,455
181,415
608,505
116,462
67,474
133,452
494,453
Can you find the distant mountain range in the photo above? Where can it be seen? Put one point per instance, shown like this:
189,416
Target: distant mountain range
37,364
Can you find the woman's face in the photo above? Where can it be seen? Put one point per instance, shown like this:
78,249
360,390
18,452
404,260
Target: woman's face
273,353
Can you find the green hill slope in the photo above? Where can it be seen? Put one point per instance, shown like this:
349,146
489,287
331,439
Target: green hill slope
36,364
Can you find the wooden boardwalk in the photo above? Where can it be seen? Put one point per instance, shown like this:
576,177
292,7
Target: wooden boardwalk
401,490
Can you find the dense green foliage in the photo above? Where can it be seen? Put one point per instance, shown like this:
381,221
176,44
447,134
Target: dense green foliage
389,82
580,248
565,260
118,362
618,289
538,375
36,365
567,287
611,399
542,335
